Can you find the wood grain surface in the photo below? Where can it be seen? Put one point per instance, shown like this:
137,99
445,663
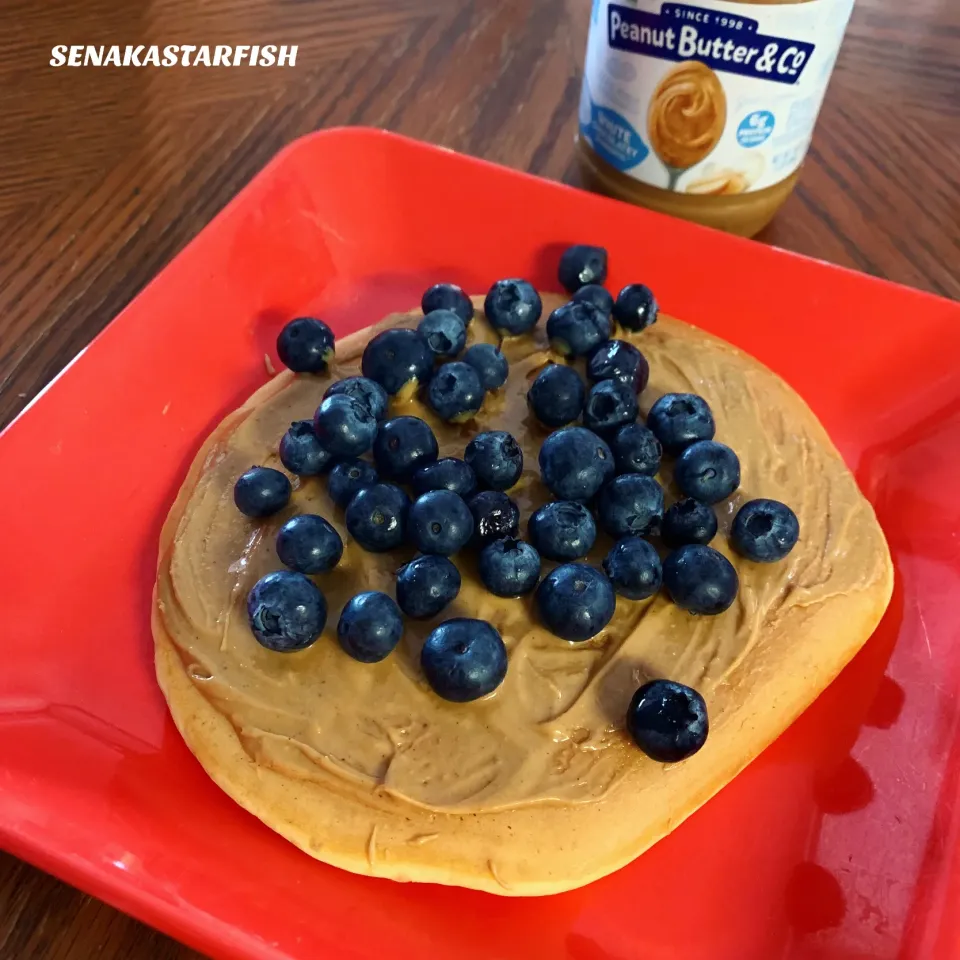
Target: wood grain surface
106,173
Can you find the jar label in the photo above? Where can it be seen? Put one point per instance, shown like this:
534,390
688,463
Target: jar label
715,98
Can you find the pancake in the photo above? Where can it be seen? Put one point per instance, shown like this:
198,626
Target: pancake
537,788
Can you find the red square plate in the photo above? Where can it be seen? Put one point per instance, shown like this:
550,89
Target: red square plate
841,841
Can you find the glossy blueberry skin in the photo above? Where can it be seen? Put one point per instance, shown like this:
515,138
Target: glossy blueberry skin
365,390
447,296
496,459
575,601
512,307
495,516
679,419
376,517
667,721
562,530
302,453
309,544
557,395
286,610
261,491
464,660
631,504
700,579
599,296
448,473
305,345
621,361
509,567
635,307
440,522
370,626
575,463
395,358
634,568
582,264
444,331
455,393
491,365
636,450
426,585
688,521
577,328
348,478
707,471
764,531
345,425
609,406
402,446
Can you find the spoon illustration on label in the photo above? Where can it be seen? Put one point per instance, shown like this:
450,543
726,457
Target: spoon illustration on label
688,112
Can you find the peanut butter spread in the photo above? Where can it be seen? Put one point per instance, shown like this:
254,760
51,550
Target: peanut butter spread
553,731
668,87
688,112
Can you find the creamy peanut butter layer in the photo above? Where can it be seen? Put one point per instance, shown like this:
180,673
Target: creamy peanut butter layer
358,747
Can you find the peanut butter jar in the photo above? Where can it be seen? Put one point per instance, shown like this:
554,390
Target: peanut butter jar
705,111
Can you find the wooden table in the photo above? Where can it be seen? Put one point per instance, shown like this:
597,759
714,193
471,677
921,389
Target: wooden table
106,173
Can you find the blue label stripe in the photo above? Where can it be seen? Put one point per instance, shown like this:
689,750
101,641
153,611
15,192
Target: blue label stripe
723,42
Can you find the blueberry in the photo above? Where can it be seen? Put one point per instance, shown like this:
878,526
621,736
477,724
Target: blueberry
403,445
688,521
621,361
490,363
630,504
633,567
577,328
679,419
575,601
440,522
261,491
444,331
512,307
575,463
496,459
636,307
509,567
610,405
376,517
667,721
348,478
764,530
447,296
563,530
370,626
395,358
582,264
302,453
345,426
464,660
448,473
636,450
455,392
286,611
305,345
556,396
309,544
593,293
364,389
495,515
700,579
708,471
426,585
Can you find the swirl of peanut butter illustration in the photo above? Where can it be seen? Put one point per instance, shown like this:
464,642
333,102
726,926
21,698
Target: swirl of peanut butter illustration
687,115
